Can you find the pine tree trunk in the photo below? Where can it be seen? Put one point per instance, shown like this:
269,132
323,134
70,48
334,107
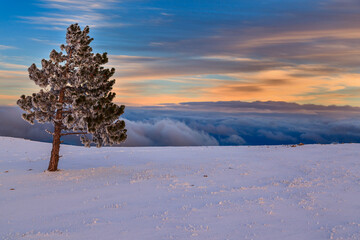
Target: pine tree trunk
54,159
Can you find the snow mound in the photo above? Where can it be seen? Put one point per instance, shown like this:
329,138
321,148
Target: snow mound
262,192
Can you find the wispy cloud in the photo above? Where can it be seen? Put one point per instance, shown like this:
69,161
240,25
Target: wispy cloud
12,66
45,41
8,73
301,51
53,19
85,5
9,97
138,67
229,78
302,36
4,47
88,12
58,21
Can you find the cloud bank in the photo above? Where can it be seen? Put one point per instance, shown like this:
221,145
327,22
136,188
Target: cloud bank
217,123
163,132
166,132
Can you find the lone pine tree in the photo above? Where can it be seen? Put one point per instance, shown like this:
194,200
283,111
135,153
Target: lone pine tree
76,95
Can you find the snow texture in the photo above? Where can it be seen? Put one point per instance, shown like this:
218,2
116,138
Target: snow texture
259,192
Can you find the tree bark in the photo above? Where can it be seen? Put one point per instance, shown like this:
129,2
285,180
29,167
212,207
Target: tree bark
54,159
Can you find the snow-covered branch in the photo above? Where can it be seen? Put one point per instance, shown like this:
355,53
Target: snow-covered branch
51,133
75,133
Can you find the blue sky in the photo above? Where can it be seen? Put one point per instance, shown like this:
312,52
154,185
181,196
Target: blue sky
180,51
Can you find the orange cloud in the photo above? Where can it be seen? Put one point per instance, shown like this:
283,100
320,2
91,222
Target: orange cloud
301,83
8,100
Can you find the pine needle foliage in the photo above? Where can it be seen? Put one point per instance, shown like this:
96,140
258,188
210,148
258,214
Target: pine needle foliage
76,93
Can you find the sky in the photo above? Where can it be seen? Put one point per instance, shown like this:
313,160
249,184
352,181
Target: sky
202,72
301,51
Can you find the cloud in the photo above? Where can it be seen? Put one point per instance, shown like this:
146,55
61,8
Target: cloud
276,136
9,73
88,12
60,21
219,123
227,78
165,132
305,52
13,80
234,140
12,66
139,67
261,107
4,47
312,57
45,41
239,89
302,37
313,137
85,5
258,123
12,125
9,97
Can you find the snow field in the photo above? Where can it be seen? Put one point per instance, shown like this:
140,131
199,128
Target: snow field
262,192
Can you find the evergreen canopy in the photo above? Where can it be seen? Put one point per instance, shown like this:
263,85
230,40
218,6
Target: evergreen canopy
76,93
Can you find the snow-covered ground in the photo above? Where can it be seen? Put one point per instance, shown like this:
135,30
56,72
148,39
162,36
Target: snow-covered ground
275,192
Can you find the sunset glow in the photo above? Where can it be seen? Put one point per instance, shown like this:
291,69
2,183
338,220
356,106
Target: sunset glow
174,51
